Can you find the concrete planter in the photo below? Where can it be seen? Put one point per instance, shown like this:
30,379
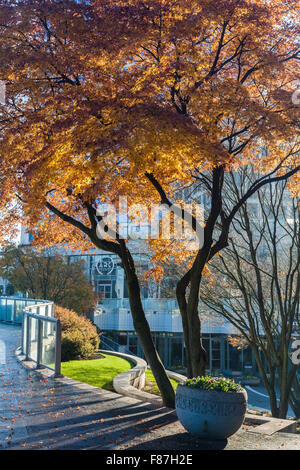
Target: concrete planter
210,415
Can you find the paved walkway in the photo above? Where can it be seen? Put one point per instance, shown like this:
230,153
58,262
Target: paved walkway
38,413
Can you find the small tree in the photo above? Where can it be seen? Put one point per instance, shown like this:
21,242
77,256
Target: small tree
255,283
48,275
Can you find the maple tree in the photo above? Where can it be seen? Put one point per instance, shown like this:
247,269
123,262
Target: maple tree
111,98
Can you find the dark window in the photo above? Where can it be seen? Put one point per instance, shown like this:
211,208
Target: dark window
122,339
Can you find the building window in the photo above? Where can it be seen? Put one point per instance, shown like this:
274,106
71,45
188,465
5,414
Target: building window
216,354
122,339
104,290
132,344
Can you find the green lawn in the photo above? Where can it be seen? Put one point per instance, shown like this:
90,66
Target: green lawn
101,372
151,386
97,372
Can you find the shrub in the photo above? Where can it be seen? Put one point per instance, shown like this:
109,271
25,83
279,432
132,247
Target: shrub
80,338
214,384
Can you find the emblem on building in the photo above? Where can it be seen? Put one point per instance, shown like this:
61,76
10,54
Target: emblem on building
105,265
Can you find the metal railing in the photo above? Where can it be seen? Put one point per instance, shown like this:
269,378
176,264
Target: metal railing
11,308
41,337
110,345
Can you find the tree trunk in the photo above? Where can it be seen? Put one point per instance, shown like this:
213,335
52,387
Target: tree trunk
295,396
196,355
143,332
273,404
283,384
268,383
197,352
181,300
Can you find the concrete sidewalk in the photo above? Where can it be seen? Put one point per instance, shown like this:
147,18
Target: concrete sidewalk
38,413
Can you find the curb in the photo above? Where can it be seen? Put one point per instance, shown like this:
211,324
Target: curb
131,382
267,425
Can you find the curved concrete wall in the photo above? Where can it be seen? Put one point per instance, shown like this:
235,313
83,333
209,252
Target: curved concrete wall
131,382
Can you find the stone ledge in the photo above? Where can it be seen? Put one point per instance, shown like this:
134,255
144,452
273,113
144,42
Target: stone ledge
178,377
267,425
131,382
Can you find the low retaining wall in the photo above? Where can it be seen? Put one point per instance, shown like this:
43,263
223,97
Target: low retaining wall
131,382
135,376
266,425
178,377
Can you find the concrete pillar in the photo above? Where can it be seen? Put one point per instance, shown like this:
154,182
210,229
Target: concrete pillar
166,351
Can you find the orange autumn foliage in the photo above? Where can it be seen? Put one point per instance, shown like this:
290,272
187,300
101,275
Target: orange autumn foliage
99,92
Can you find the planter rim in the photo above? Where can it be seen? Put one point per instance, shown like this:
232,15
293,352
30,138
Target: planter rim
243,391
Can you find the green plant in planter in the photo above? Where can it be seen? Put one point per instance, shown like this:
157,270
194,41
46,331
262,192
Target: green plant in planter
214,384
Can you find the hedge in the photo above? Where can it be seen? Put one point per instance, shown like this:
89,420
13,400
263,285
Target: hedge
80,338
